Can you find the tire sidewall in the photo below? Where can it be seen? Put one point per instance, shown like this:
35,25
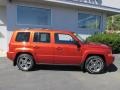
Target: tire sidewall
32,62
89,59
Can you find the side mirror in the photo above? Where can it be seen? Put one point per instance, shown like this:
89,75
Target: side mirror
77,43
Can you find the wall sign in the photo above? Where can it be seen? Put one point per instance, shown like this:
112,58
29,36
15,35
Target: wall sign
96,2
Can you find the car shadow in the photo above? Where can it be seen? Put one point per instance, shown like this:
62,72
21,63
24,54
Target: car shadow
111,68
56,68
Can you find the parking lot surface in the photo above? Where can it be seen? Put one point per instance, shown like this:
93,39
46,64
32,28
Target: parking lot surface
46,77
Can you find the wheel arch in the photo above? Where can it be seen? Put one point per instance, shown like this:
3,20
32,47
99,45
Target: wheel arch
100,55
88,55
15,60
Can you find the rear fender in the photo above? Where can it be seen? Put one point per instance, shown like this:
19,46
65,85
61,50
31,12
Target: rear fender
24,51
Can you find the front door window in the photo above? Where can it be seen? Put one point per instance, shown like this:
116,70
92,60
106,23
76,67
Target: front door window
63,38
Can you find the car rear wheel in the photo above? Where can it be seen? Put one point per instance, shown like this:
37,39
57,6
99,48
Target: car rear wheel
94,64
25,62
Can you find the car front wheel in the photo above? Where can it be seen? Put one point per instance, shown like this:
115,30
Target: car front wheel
25,62
94,64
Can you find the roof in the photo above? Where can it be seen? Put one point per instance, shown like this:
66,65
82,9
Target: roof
96,7
42,30
106,9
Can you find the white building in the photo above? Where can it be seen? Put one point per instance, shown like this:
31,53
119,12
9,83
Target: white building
82,16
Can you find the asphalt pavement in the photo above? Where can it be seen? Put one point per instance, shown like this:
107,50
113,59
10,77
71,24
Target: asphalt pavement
46,77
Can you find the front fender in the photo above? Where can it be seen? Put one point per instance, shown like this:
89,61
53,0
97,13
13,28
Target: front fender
91,52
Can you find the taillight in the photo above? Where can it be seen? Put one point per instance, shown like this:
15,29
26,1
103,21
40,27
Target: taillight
11,47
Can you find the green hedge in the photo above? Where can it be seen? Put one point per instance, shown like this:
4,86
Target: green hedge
112,40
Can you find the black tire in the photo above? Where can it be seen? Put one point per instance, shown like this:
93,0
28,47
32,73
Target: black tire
95,65
25,62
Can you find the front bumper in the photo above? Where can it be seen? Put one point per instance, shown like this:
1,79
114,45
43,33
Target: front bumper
110,59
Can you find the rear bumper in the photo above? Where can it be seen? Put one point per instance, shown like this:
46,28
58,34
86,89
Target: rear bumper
11,55
110,59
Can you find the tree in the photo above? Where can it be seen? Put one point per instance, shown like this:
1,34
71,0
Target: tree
113,22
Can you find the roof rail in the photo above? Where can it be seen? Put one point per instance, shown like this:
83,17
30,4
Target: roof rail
28,28
33,28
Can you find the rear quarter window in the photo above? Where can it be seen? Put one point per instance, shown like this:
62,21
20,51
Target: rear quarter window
22,37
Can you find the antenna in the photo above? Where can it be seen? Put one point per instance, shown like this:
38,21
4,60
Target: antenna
10,1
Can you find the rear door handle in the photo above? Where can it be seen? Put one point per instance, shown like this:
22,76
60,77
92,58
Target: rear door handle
36,47
59,48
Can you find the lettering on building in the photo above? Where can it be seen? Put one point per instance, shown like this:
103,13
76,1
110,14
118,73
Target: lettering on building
97,2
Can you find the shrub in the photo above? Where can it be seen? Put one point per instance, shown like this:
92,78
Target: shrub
112,40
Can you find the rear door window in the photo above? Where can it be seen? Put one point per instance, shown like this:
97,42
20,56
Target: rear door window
22,36
42,37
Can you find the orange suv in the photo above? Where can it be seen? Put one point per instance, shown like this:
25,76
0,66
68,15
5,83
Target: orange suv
40,46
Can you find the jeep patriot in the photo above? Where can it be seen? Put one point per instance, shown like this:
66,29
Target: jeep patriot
42,46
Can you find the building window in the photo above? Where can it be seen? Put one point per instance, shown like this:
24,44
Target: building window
33,16
89,21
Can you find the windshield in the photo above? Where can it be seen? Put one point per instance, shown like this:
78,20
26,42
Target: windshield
80,38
